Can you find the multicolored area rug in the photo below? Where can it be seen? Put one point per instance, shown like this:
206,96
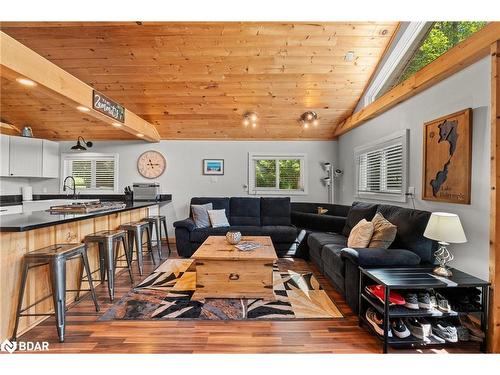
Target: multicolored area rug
166,294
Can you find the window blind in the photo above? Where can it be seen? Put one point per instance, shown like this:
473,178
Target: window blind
381,170
92,172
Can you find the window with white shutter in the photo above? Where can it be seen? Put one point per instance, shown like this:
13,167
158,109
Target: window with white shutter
277,174
381,168
93,172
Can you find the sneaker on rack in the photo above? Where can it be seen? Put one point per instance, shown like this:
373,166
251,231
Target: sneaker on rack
399,328
376,321
445,330
442,303
472,326
378,291
424,300
419,327
411,300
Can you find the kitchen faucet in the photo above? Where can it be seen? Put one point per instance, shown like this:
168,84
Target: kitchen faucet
69,187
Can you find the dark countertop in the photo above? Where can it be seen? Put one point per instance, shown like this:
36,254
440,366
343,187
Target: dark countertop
17,199
40,219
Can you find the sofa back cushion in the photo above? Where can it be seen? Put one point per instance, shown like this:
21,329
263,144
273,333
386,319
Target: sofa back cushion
358,212
217,203
411,226
245,211
275,211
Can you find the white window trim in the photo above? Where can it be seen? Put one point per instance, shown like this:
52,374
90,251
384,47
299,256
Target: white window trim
273,191
92,155
393,138
411,35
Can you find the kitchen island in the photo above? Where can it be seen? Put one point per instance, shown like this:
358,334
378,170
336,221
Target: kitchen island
22,233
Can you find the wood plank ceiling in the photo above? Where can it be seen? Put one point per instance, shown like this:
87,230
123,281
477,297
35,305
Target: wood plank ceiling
196,80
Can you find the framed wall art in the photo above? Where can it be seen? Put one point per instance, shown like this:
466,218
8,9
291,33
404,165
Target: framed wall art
447,158
213,167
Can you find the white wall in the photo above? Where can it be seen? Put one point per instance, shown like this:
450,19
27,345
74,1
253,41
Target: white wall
13,185
183,177
468,88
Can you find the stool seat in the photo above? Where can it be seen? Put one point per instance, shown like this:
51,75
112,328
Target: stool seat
56,250
154,217
104,234
133,225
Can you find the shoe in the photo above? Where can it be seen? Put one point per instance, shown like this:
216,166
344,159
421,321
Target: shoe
445,330
399,328
378,291
442,303
463,333
411,301
473,327
419,327
436,338
424,300
376,321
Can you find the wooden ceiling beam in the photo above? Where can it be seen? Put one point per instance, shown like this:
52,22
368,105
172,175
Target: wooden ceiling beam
459,57
17,60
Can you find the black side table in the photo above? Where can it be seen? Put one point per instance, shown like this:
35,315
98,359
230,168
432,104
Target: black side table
412,279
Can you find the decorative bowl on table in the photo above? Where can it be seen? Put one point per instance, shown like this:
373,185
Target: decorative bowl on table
233,237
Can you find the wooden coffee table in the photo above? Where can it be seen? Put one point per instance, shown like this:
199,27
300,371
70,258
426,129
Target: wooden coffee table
222,271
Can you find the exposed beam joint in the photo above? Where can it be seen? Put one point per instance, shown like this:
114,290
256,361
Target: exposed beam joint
459,57
18,60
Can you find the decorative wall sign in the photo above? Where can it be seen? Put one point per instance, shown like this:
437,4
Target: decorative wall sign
213,166
447,158
108,107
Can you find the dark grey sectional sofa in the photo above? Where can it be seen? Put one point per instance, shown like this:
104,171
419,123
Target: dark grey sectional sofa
328,249
250,216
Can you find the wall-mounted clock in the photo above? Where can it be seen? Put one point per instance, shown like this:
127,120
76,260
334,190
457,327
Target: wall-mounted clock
151,164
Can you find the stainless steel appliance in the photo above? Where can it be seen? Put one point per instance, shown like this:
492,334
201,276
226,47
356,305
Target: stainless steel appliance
149,191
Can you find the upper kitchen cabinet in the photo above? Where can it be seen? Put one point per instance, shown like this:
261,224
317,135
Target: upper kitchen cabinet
50,159
25,157
29,157
4,154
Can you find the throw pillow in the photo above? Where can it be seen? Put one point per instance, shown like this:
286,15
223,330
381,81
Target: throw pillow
200,214
218,218
384,232
361,234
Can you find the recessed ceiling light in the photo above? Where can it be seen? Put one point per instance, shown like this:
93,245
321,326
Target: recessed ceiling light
26,82
349,56
140,135
116,124
81,108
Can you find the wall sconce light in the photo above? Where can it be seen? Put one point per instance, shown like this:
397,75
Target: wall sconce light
79,147
250,118
309,118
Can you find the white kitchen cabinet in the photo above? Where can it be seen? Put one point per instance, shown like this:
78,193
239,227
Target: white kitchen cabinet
50,159
25,157
4,155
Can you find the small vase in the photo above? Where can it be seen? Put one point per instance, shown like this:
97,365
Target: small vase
233,237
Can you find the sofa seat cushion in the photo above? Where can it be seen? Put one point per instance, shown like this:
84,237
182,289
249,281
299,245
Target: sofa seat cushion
275,211
280,233
332,261
319,239
245,211
358,212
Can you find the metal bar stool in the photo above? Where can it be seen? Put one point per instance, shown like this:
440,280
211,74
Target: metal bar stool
157,221
135,233
108,242
56,257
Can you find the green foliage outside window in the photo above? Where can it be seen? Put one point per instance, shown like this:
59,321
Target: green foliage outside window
265,173
289,173
441,37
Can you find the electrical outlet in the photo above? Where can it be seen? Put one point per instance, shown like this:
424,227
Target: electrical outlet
411,190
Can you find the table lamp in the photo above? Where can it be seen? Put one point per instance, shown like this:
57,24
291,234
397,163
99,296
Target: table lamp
444,228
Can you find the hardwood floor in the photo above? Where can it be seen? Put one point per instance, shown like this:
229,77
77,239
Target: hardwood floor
84,334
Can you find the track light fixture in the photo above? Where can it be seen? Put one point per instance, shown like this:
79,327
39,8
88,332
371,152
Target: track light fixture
250,118
309,118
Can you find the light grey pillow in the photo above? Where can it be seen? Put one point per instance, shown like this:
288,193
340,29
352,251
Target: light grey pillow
200,214
218,218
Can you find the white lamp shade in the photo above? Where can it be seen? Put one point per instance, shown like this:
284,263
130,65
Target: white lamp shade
445,227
